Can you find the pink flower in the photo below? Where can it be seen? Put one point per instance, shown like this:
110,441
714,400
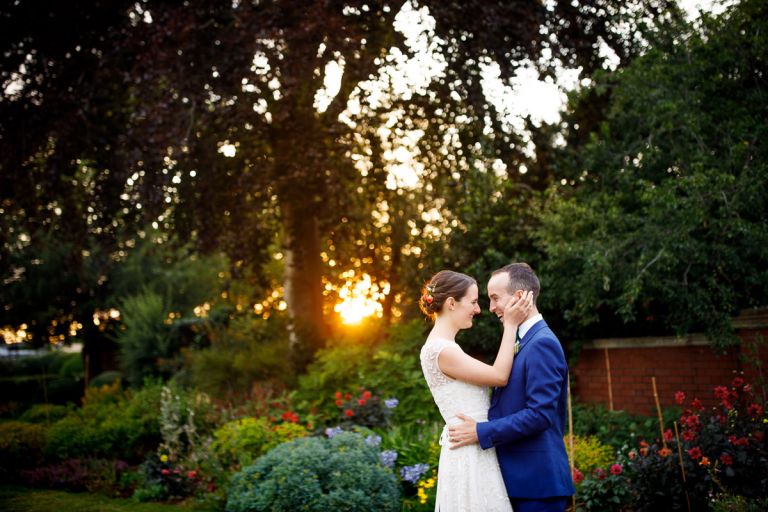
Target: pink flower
578,476
616,469
680,397
600,474
164,471
668,435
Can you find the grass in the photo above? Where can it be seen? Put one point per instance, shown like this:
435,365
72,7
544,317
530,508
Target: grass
20,499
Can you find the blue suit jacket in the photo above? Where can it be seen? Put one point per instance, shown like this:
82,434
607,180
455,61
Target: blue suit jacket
526,421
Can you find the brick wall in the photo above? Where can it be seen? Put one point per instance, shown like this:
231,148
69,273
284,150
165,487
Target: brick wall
679,364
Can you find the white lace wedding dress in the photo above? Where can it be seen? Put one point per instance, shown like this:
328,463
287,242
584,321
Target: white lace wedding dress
468,478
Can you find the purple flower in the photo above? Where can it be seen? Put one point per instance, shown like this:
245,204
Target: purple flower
388,458
413,473
391,403
373,440
330,432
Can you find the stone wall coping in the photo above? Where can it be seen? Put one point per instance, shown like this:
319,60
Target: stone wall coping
747,319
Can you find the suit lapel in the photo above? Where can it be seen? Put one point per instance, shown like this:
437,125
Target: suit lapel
535,328
531,334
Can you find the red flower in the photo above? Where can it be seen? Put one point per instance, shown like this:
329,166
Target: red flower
754,410
668,435
680,397
688,435
290,417
616,469
578,476
694,422
338,395
428,299
721,392
728,405
695,453
738,382
348,413
164,471
759,436
367,395
696,404
600,474
726,459
191,474
347,397
741,441
361,401
339,403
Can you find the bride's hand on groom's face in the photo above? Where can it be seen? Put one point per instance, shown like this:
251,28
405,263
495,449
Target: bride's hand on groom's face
518,309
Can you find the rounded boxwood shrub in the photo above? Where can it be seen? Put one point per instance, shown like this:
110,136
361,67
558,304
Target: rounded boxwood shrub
242,440
316,474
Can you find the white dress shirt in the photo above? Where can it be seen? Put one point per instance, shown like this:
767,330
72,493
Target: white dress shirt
525,326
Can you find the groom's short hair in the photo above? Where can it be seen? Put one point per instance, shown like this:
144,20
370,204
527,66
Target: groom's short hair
521,277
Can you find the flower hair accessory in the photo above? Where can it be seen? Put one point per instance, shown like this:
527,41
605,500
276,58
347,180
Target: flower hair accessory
427,297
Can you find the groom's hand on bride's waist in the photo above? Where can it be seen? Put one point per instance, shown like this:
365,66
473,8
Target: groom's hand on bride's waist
463,434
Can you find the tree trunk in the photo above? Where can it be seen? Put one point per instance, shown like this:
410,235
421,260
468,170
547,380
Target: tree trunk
302,281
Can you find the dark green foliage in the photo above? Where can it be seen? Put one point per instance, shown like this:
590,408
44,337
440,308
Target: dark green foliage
21,446
316,474
390,370
662,225
618,428
248,349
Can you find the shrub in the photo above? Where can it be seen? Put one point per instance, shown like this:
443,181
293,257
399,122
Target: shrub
616,428
606,489
724,450
589,453
111,423
45,413
392,369
316,474
241,441
247,350
21,445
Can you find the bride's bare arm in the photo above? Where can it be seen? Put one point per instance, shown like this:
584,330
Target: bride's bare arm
458,365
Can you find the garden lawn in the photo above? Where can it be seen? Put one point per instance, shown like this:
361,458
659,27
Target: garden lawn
20,499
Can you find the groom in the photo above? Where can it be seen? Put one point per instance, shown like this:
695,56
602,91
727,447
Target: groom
526,421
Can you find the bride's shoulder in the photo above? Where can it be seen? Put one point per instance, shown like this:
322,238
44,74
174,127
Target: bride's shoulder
437,343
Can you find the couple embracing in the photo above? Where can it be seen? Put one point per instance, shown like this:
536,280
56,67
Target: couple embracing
503,452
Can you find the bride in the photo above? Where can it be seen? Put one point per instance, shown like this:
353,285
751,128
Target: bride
468,478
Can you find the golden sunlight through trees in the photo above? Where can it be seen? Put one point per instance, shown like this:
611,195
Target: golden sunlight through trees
360,299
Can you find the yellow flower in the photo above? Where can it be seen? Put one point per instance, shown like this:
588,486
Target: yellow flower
163,458
422,496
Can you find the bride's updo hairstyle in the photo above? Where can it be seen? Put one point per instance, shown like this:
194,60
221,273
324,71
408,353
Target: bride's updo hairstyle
444,284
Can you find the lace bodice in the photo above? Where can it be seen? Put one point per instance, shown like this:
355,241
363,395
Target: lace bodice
451,396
